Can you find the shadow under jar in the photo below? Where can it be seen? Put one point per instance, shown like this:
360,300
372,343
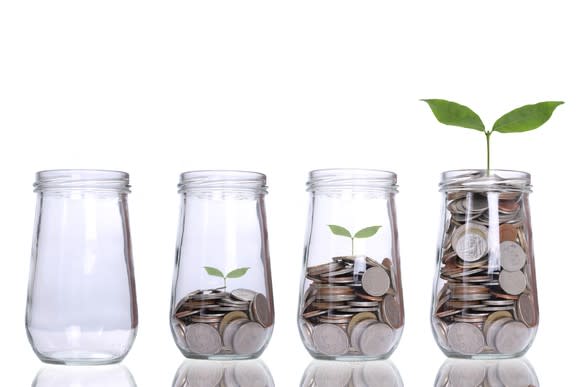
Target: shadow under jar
351,301
485,302
222,305
82,306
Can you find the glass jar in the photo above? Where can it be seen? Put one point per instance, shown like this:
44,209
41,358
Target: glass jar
351,300
222,304
82,307
485,302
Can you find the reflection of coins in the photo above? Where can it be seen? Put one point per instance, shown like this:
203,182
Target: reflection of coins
514,373
527,310
513,257
249,375
249,338
376,281
377,339
470,242
391,312
465,338
376,374
209,376
329,376
512,338
512,282
467,374
330,339
203,339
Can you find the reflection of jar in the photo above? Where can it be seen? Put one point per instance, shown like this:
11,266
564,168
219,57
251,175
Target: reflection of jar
222,304
489,373
485,298
355,374
351,302
110,376
247,373
81,297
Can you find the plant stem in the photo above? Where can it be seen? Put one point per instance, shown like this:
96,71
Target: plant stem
487,137
225,279
351,246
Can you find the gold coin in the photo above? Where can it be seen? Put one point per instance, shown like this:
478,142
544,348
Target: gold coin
494,317
228,318
358,318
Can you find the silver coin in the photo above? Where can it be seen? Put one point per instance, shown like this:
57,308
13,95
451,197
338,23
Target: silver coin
230,330
513,257
376,281
512,338
470,242
377,339
249,338
526,310
203,339
330,339
493,328
357,332
244,294
512,282
260,309
391,312
465,338
179,334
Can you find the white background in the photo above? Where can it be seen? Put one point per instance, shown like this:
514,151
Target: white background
282,87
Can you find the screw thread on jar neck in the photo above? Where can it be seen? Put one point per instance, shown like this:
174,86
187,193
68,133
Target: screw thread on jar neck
498,180
82,180
223,181
352,179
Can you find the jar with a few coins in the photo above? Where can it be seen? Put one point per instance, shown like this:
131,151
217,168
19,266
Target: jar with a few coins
222,304
485,302
351,301
81,306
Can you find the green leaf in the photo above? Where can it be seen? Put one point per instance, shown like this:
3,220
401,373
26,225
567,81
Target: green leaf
452,113
367,232
339,230
238,272
528,117
213,271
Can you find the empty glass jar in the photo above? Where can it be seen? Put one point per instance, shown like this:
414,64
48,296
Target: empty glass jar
485,302
222,305
351,300
81,306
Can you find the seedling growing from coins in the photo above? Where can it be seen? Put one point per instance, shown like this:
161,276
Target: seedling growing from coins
366,232
522,119
237,273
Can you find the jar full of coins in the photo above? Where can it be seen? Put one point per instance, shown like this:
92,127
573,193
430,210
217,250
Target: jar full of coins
222,305
351,301
485,302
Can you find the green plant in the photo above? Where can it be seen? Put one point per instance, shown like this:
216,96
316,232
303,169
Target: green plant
366,232
237,273
522,119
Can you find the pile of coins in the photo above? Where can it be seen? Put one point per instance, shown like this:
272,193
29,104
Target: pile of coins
351,307
210,322
463,373
355,374
486,304
222,374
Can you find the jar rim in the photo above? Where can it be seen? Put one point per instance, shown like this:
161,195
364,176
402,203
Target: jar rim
222,179
82,179
349,178
484,180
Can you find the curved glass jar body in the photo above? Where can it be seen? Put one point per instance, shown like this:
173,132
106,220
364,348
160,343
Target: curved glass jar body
485,302
82,305
351,301
222,304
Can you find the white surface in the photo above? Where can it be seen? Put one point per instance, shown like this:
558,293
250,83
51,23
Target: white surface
156,87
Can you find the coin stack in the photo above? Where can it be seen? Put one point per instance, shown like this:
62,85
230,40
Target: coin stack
485,304
463,373
351,307
210,322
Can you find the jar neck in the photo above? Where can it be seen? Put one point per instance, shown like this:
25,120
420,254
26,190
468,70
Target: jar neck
87,180
352,180
223,182
497,180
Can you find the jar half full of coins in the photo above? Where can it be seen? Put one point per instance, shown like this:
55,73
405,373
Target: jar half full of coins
222,305
351,301
485,302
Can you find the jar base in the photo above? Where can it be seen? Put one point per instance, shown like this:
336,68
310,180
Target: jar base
80,358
